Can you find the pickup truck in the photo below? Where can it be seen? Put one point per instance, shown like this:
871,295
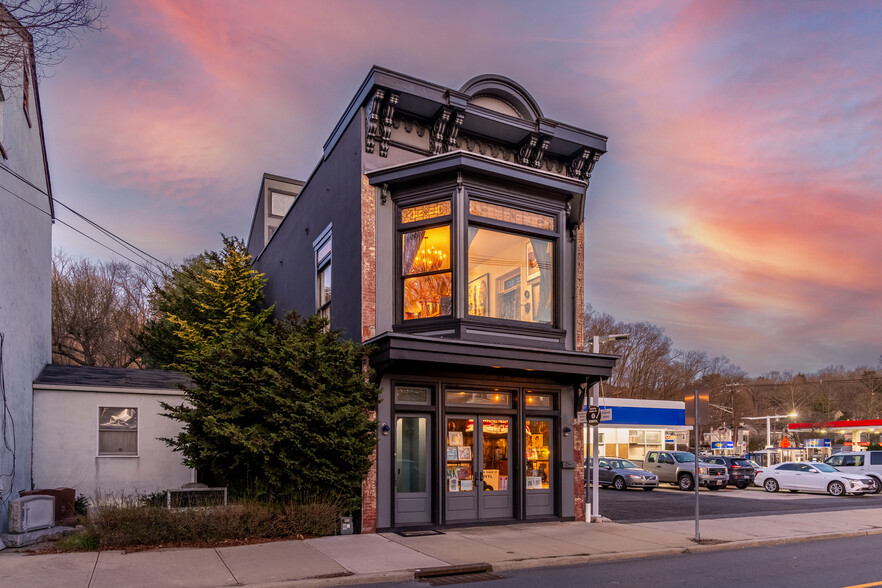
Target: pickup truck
678,467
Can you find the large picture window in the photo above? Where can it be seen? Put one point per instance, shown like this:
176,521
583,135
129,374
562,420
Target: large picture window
510,275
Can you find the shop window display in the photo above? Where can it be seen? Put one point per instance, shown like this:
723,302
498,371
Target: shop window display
494,434
460,461
538,455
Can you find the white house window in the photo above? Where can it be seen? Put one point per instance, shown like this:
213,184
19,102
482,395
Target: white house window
280,202
117,431
323,274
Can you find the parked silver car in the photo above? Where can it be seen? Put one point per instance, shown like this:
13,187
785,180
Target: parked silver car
622,474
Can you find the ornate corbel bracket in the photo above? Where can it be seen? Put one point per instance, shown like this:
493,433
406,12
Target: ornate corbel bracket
532,149
539,151
378,120
439,131
582,164
372,120
386,124
526,149
574,232
453,129
384,193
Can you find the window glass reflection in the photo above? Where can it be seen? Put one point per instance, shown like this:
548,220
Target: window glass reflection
510,276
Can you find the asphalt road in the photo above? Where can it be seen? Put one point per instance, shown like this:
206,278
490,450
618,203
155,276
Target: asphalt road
832,563
666,503
836,563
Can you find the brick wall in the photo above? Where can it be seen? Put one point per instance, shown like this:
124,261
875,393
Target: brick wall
368,330
368,260
579,474
580,289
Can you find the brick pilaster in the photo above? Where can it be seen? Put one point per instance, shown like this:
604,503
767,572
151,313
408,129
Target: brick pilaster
368,260
368,330
580,289
579,474
369,494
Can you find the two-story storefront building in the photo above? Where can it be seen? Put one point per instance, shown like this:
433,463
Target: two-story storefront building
450,223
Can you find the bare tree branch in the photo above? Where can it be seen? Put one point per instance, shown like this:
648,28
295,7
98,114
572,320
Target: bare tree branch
42,30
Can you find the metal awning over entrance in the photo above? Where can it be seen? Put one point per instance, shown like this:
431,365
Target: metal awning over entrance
573,367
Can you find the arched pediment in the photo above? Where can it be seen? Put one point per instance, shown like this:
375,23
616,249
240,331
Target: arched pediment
503,95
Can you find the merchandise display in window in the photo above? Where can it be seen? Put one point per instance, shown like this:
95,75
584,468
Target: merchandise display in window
495,441
538,455
460,439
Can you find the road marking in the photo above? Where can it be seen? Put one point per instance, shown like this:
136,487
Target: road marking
864,585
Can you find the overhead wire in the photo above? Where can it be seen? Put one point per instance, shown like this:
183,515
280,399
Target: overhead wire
147,258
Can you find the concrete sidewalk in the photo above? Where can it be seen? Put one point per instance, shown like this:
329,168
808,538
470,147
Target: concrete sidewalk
389,557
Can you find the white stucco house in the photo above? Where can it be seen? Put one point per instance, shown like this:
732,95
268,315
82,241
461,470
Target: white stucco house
26,215
97,430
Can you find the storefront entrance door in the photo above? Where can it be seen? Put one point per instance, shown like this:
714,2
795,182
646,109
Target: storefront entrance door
478,472
413,481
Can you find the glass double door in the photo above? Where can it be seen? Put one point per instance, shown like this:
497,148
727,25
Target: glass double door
478,468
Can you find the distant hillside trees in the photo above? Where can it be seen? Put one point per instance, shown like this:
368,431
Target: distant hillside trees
651,367
98,308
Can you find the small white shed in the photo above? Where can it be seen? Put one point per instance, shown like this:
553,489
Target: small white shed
97,430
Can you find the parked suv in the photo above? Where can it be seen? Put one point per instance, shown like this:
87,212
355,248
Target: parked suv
741,472
865,463
678,467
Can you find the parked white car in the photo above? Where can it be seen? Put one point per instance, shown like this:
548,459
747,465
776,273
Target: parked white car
861,463
809,476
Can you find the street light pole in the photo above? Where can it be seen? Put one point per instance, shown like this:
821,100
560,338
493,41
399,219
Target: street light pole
595,432
768,420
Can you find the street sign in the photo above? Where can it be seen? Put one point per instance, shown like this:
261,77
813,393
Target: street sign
605,414
702,412
593,415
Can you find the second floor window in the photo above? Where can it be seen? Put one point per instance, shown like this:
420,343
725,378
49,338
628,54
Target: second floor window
426,262
323,275
510,264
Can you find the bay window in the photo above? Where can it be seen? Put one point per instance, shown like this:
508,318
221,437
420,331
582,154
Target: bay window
509,262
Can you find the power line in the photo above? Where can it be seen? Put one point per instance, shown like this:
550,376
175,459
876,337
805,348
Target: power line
140,252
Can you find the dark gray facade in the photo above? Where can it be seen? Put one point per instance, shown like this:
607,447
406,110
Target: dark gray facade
450,225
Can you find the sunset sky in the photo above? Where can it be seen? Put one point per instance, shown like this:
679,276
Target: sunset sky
738,207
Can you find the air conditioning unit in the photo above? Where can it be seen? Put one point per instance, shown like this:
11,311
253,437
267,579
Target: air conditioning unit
30,513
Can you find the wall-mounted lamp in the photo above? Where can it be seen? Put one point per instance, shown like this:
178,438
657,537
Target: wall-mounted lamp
385,428
567,431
